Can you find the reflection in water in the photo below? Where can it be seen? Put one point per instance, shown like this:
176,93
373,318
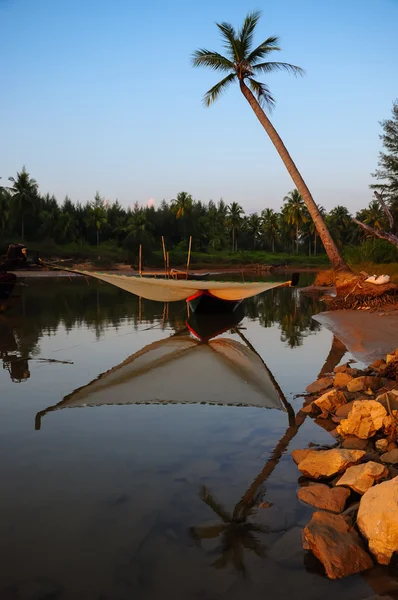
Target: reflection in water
13,362
237,532
113,491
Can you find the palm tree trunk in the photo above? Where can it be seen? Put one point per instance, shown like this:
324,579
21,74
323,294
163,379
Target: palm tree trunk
330,247
315,243
233,239
297,238
273,245
23,228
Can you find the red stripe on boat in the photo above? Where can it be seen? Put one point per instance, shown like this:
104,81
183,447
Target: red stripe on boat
198,294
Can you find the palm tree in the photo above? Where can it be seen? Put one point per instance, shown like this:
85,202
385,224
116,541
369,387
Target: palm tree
98,215
182,203
242,64
234,219
253,225
4,213
295,212
374,216
24,191
339,222
270,226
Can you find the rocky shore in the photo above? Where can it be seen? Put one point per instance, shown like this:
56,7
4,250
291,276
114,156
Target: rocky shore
353,483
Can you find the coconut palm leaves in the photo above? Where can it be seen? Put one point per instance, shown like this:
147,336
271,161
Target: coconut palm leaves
234,221
236,532
241,63
295,212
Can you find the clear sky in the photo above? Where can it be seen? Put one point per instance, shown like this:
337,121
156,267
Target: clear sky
100,95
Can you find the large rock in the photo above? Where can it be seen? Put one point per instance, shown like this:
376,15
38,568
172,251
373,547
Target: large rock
363,383
390,457
345,409
326,463
336,545
329,401
361,477
300,454
354,443
323,497
365,418
341,380
378,519
320,385
382,445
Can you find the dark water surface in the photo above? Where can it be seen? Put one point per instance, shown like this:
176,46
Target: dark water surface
139,502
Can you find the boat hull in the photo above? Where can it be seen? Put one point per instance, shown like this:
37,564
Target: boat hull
204,302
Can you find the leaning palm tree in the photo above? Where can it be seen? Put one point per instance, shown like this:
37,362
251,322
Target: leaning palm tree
242,64
295,212
24,192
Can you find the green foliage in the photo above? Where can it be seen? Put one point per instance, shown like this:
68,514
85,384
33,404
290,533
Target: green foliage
371,250
242,62
387,173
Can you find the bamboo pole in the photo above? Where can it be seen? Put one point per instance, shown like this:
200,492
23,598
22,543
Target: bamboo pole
168,265
189,254
164,257
140,261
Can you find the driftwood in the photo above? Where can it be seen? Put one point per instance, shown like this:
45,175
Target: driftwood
390,236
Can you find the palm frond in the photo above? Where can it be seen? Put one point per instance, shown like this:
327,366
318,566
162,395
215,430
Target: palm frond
246,33
205,532
230,42
270,67
269,45
207,497
213,94
263,93
214,60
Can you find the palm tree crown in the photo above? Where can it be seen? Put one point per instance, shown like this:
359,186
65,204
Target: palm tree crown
242,62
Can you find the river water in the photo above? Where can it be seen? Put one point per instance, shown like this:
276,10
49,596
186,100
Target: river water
146,501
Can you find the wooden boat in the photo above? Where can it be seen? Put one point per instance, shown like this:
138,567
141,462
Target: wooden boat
190,276
207,296
182,370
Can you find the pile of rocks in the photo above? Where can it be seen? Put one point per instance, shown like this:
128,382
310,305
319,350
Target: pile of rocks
353,484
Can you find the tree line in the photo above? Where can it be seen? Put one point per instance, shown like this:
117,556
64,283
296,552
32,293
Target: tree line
27,215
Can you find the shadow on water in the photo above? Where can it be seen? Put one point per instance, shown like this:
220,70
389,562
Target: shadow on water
103,502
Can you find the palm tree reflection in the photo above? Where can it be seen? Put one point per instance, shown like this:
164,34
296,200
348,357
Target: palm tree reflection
235,531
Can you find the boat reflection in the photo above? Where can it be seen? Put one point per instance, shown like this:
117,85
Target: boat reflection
197,365
10,353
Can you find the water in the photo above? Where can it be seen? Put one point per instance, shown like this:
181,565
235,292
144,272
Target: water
121,502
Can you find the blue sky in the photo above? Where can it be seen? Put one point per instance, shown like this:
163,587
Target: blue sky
100,95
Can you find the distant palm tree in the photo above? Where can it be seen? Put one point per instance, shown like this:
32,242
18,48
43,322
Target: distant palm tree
97,215
339,221
295,212
234,220
182,204
24,192
4,213
270,226
242,64
374,216
253,225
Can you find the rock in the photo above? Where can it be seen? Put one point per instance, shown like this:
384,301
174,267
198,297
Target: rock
354,443
341,380
363,383
310,409
326,463
323,497
382,445
376,364
390,425
390,458
329,401
378,519
390,358
354,372
326,424
361,477
388,397
320,385
391,446
365,418
345,409
342,368
336,545
299,455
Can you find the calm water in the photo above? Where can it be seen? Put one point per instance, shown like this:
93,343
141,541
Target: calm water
123,502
